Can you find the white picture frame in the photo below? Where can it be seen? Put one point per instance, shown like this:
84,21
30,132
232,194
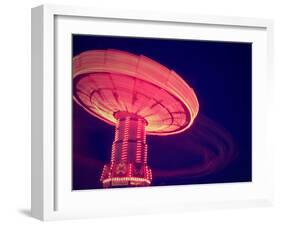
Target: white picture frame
52,197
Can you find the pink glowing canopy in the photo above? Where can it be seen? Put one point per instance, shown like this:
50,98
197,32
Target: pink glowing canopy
111,81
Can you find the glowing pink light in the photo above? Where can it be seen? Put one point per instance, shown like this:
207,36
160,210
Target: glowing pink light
138,96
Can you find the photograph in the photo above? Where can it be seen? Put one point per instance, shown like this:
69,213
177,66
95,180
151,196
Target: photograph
159,112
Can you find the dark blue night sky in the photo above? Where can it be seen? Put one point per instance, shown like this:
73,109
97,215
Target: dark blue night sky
221,75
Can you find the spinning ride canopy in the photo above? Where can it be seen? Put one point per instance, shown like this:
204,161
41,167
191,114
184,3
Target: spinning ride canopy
137,95
110,81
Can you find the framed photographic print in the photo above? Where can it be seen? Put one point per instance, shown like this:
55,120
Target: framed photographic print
136,112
